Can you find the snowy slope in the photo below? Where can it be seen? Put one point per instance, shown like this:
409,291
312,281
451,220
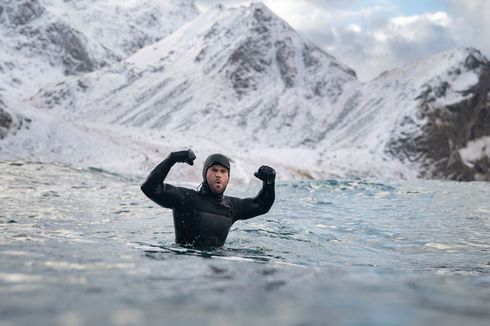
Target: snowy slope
243,82
42,40
237,71
413,121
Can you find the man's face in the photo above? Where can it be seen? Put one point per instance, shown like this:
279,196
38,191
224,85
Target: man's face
217,177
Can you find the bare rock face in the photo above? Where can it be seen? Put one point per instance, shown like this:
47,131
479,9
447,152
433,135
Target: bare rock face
11,123
51,39
256,53
84,35
449,128
20,12
271,48
5,122
74,55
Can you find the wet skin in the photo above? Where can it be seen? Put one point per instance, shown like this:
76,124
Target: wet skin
217,177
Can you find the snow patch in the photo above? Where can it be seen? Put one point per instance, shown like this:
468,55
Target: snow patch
475,150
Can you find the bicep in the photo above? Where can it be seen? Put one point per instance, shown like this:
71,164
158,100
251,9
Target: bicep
166,195
246,208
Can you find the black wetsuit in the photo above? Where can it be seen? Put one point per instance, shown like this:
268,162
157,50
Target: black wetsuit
202,218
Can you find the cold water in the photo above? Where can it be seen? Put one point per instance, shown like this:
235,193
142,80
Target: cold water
85,247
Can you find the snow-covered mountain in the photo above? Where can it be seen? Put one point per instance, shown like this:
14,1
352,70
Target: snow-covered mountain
432,116
449,117
240,72
243,82
42,40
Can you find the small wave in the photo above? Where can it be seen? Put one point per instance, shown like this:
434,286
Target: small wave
64,265
441,246
100,171
19,278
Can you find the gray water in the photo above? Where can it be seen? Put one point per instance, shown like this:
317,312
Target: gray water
84,247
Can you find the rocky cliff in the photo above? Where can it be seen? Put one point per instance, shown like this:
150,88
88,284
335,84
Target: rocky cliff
453,111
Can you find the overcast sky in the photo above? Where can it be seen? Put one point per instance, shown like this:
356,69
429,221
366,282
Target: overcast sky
372,36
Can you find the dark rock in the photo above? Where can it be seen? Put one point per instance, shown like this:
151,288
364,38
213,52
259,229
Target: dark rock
10,123
5,123
448,129
285,53
472,63
457,170
259,51
20,12
74,56
309,57
247,59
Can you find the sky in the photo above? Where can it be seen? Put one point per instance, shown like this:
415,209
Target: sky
372,36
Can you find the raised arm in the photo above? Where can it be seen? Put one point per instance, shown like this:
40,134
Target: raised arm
162,193
261,204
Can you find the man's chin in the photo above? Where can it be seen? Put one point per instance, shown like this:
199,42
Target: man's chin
218,190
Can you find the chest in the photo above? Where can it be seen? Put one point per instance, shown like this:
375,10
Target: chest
207,214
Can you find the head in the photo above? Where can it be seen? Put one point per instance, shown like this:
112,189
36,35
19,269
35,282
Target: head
216,172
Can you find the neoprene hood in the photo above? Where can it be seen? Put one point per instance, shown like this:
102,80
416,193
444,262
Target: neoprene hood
215,159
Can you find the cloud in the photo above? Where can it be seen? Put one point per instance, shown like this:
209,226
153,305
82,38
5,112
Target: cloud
385,44
471,22
410,38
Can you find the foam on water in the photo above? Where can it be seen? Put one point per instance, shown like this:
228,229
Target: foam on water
86,247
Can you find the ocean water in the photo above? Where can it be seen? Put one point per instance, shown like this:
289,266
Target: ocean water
85,247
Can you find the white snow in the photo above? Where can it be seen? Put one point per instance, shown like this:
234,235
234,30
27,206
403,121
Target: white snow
475,150
109,31
222,81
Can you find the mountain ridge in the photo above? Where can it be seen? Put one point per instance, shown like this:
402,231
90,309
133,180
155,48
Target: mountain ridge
242,81
72,37
238,76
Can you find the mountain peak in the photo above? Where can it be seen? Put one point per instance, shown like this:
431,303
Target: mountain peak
213,72
250,46
261,12
474,59
468,58
268,45
246,76
73,37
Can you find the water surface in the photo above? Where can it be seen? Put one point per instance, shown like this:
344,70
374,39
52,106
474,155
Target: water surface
85,247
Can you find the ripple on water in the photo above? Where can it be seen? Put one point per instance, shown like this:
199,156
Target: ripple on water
359,252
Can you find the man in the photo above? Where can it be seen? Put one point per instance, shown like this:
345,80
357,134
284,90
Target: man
203,218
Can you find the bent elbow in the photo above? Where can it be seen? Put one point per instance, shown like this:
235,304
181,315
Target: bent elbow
266,209
146,189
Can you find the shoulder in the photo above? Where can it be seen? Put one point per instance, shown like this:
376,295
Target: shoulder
189,192
231,199
237,202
